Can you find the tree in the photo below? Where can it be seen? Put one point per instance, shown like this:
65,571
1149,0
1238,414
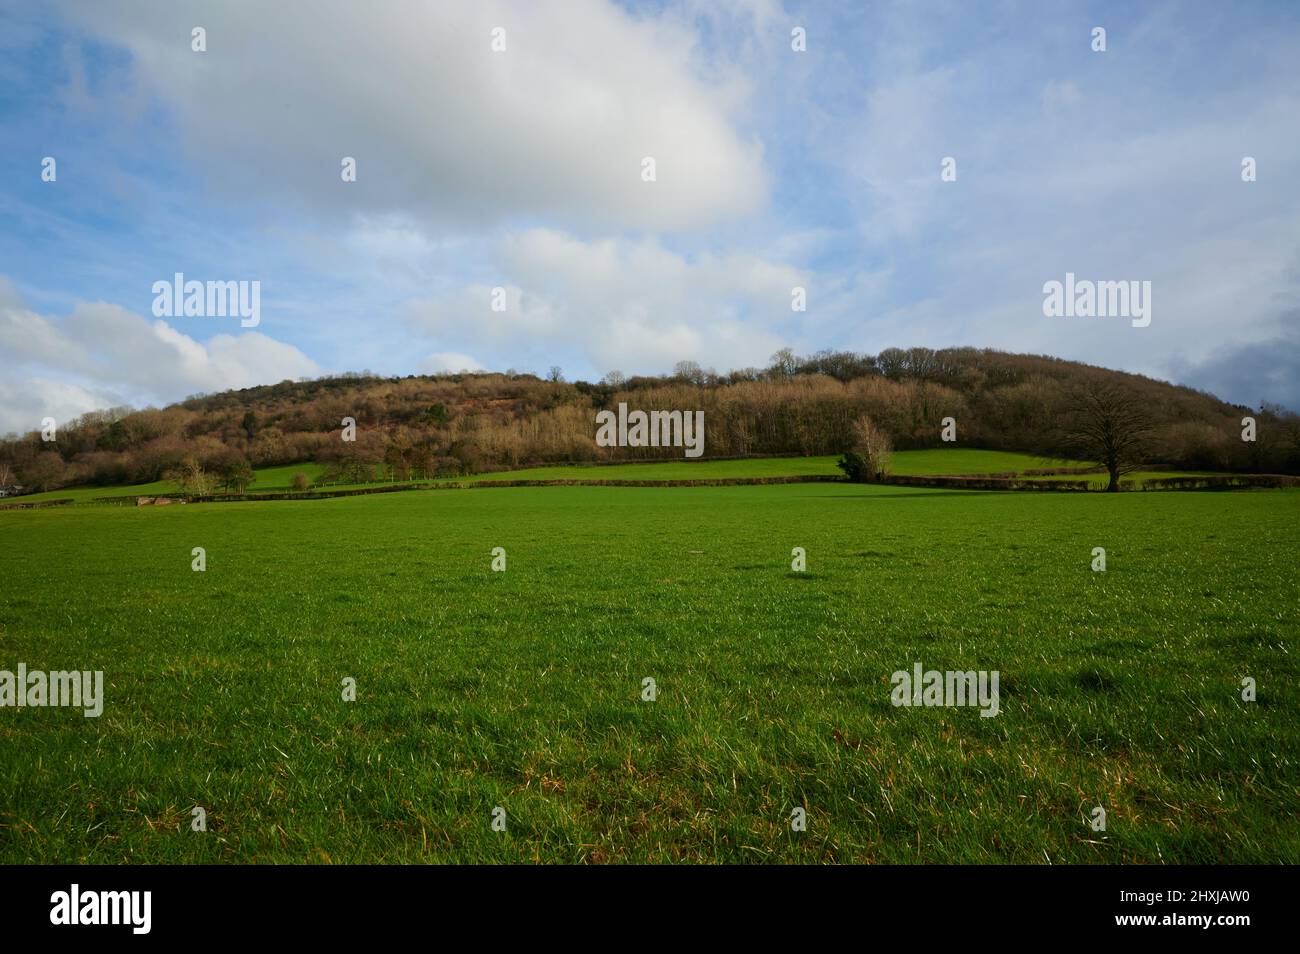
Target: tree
115,438
358,461
614,379
239,476
192,478
422,461
556,374
892,362
1290,423
1107,423
233,468
395,459
44,472
784,364
300,482
868,460
688,371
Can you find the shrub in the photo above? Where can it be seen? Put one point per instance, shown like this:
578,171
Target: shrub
192,478
854,467
300,482
869,458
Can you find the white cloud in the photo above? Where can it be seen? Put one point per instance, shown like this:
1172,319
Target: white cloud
439,124
617,303
102,355
441,361
25,402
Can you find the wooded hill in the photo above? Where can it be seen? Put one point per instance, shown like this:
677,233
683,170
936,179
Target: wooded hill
424,426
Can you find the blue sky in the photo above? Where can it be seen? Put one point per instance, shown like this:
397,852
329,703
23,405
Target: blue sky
520,170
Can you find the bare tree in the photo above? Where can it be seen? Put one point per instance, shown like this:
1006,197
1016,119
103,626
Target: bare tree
688,371
868,461
1107,423
192,478
45,472
892,362
784,364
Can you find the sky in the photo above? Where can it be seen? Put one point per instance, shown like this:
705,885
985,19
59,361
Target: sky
516,177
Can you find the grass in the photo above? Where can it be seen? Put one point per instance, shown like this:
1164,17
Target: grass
673,470
924,462
954,461
962,461
86,494
522,689
269,480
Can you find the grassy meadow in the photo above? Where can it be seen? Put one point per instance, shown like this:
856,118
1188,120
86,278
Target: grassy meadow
954,461
522,689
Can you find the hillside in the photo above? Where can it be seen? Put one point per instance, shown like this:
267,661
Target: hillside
452,425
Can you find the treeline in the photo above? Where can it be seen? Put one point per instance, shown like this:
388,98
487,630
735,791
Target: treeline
453,424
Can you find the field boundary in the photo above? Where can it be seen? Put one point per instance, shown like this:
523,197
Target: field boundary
158,499
36,504
1219,482
986,483
938,481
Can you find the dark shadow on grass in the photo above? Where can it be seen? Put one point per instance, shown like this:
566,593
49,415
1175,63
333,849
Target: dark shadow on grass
1095,680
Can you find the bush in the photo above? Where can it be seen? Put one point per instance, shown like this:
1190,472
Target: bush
300,482
869,458
192,478
854,467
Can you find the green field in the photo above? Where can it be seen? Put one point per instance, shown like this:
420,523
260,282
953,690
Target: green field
269,479
954,461
522,689
276,479
927,462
